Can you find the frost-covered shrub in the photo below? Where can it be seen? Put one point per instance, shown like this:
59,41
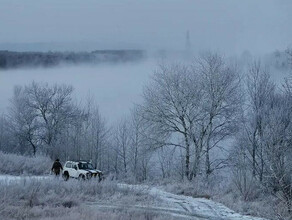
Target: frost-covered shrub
200,187
16,164
53,198
28,196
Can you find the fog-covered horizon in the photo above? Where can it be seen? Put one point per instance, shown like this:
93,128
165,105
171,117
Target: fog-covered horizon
227,26
230,27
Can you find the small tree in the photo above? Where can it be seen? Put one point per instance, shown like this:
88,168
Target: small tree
23,120
40,113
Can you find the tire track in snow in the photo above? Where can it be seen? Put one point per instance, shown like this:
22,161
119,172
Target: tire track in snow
206,209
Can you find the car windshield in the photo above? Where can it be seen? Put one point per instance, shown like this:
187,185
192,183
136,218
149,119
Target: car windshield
85,166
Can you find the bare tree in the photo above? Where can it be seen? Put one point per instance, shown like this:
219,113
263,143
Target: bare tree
8,141
122,142
198,104
260,90
171,106
23,119
166,159
96,133
264,144
289,56
221,86
137,142
54,108
40,112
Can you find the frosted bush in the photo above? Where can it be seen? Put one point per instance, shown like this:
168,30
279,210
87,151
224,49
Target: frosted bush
16,164
54,198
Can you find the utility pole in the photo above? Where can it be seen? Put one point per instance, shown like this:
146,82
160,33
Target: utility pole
188,46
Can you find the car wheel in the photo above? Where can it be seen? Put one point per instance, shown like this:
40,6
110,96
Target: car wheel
66,176
81,177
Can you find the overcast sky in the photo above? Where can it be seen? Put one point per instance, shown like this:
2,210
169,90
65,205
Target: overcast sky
224,25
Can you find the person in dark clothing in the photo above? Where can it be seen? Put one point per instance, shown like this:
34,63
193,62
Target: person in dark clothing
57,167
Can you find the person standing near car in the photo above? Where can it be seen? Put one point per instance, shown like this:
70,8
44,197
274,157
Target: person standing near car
57,167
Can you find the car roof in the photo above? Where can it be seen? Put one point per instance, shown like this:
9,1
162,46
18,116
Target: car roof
78,161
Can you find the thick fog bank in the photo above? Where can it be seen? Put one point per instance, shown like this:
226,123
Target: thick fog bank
113,87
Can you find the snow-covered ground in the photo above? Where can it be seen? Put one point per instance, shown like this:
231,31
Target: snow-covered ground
166,204
8,178
196,207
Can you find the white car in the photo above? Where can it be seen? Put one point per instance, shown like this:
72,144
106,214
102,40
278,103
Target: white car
80,170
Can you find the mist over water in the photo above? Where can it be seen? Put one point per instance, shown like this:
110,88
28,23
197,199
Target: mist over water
114,88
228,27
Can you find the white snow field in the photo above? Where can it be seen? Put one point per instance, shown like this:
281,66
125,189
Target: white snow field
166,204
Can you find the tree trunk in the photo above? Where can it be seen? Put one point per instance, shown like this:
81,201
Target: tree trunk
254,155
208,165
187,158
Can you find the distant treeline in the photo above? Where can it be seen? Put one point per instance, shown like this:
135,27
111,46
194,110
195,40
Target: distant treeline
10,59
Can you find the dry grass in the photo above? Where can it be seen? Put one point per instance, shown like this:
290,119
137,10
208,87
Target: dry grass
56,199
